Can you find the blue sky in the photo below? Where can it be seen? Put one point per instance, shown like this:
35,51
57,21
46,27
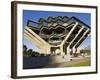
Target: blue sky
35,15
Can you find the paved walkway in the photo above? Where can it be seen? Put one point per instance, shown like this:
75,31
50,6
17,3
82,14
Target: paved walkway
69,63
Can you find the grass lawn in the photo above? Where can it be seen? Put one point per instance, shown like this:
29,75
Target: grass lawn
84,63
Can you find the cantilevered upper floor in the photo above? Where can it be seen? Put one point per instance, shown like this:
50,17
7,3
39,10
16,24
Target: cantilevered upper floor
61,29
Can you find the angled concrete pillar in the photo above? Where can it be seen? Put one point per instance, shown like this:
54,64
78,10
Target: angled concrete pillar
32,41
63,42
68,50
39,42
69,33
68,53
78,50
61,48
82,37
76,35
74,50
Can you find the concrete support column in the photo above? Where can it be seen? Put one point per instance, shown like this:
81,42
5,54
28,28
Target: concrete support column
74,50
48,50
68,53
81,37
43,46
76,35
68,50
61,50
69,33
78,50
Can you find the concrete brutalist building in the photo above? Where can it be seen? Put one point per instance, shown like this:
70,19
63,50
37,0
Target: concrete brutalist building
59,35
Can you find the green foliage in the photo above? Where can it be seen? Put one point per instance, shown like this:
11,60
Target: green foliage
85,51
30,52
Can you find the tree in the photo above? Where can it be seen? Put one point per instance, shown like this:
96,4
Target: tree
29,52
24,49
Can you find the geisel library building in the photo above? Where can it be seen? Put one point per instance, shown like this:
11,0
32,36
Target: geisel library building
59,35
